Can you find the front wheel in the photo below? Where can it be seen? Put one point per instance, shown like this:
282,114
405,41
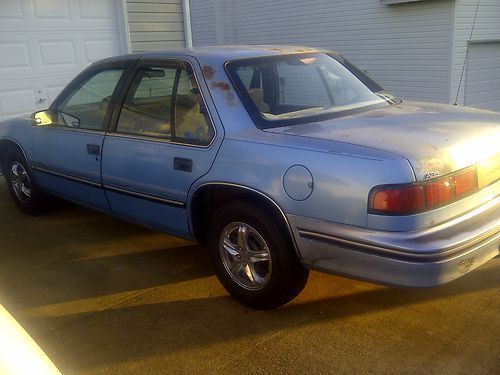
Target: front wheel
253,258
21,183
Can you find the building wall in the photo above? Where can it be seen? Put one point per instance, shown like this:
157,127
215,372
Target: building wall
405,47
486,29
155,24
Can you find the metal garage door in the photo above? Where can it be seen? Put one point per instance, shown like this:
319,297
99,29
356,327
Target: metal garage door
44,43
482,88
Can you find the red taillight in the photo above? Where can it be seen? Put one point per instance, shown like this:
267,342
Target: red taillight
439,192
419,197
465,182
399,200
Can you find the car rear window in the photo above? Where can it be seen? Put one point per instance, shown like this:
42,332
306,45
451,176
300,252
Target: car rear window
293,89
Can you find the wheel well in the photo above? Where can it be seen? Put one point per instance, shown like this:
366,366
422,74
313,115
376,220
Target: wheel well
208,198
5,146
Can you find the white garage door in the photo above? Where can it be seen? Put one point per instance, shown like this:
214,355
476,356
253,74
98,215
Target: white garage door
483,76
45,43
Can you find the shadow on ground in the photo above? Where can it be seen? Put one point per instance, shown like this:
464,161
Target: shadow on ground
145,330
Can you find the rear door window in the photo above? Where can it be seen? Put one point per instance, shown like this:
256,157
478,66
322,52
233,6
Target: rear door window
165,102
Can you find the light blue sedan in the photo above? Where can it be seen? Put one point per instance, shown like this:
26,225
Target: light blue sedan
279,159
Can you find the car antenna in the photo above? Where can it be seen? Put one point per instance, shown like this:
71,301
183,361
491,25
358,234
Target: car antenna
466,53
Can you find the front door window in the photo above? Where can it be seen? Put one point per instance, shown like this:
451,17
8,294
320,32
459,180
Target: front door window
87,105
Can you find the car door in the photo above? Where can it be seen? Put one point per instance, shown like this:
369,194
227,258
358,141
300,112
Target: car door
67,154
164,139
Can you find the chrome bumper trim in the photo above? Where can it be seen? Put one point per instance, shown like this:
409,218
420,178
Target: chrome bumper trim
393,252
422,258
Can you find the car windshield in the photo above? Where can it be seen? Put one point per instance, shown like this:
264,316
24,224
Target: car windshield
293,89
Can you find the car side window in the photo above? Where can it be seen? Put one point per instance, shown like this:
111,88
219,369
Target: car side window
191,116
165,102
146,110
86,106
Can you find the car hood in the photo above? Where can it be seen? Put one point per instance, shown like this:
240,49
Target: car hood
435,138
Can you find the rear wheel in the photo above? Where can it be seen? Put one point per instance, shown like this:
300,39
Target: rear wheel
253,258
21,184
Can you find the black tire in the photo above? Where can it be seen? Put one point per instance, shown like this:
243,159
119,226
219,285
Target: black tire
22,185
247,275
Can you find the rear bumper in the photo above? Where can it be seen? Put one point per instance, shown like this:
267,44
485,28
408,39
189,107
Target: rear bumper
413,259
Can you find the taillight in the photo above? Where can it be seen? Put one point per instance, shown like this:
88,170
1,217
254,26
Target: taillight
465,182
400,200
438,192
423,196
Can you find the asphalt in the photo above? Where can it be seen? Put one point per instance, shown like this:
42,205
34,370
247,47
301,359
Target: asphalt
103,296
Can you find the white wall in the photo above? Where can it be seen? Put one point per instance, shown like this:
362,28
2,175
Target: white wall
482,81
405,47
155,24
487,28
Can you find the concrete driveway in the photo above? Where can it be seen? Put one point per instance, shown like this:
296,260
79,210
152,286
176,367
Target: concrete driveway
101,295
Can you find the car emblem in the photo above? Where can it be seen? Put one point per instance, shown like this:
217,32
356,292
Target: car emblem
430,175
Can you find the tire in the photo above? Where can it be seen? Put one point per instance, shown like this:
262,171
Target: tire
253,258
22,185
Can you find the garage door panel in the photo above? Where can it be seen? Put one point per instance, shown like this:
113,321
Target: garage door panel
91,9
45,43
58,53
98,49
17,101
53,9
11,10
52,56
14,55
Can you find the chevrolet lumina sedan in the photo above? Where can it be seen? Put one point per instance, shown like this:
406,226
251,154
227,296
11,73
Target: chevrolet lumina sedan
279,159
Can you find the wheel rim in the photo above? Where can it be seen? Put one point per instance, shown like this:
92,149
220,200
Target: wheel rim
20,182
246,256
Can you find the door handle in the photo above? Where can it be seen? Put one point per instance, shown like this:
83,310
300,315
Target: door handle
181,164
94,150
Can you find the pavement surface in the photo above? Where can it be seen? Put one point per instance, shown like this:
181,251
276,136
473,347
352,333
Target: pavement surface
103,296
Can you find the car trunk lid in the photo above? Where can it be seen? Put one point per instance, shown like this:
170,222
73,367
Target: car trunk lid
436,139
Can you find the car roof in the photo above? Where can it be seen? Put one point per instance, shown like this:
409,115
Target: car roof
220,53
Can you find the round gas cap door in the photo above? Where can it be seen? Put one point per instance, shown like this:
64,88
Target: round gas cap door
298,182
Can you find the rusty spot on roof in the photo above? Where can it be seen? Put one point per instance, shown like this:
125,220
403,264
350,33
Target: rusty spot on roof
288,50
221,85
208,71
226,89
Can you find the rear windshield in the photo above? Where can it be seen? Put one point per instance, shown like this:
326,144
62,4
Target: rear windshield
294,89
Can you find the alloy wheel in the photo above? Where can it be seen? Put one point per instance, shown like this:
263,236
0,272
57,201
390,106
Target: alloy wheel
245,256
20,182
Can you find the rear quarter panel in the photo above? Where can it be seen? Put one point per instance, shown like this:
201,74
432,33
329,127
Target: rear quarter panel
341,184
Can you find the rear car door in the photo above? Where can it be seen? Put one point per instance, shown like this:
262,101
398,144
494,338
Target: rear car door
67,156
164,139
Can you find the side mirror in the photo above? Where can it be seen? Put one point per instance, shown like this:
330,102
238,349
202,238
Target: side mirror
42,118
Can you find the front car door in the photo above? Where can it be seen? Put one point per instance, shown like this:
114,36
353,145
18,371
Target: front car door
164,139
67,155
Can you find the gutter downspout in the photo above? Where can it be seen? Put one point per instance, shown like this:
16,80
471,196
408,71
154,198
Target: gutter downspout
125,28
186,13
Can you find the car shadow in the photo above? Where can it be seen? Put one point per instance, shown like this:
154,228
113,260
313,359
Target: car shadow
73,253
79,279
129,333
